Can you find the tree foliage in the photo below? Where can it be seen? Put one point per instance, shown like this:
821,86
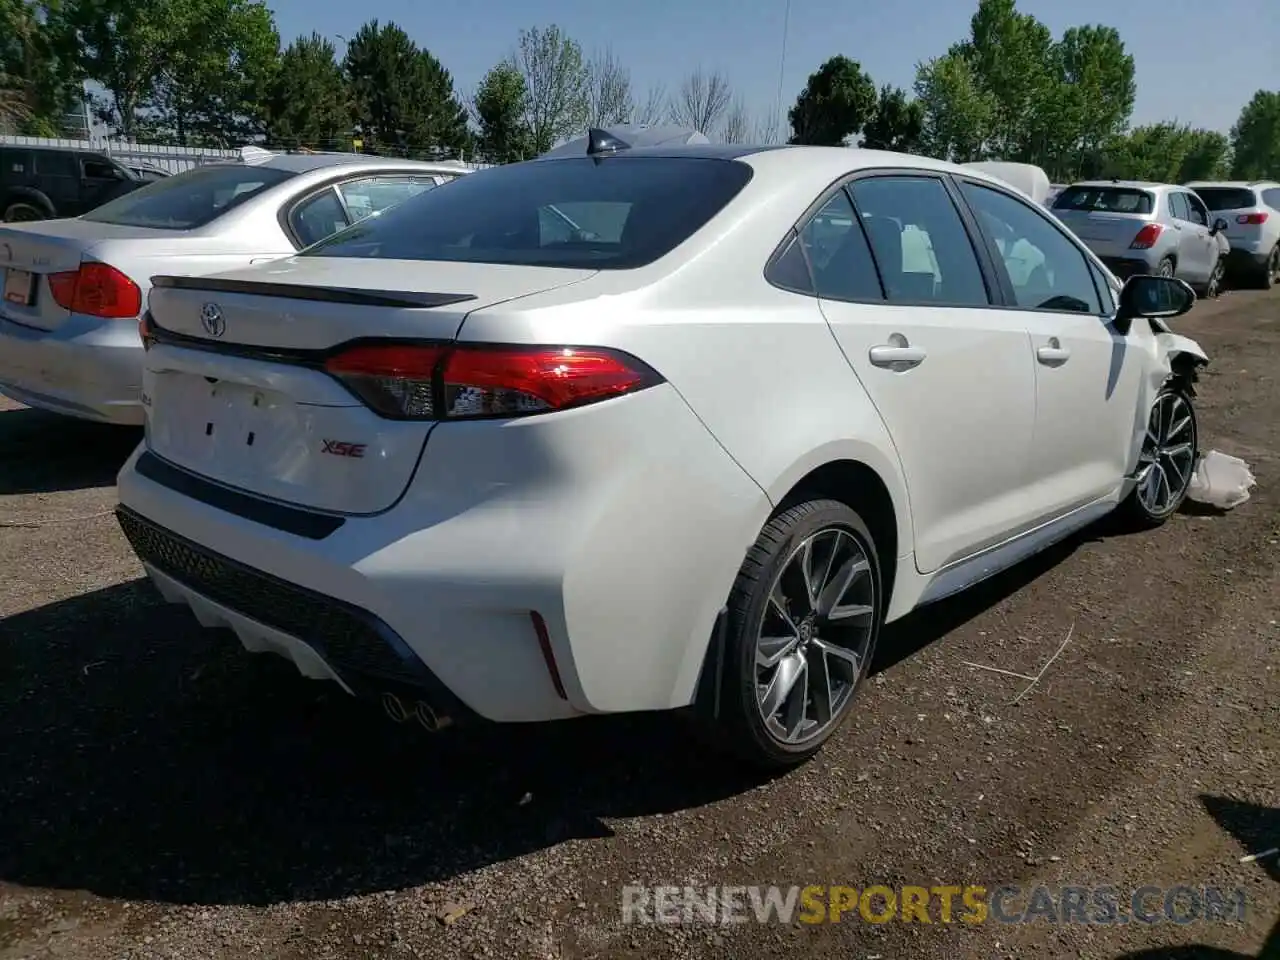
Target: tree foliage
897,123
500,113
307,105
835,104
609,98
402,98
557,79
1167,153
957,113
1255,138
37,84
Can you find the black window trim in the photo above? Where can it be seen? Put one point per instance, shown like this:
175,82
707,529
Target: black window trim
284,216
1010,298
996,292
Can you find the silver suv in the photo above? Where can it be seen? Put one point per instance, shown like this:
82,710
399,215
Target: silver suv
1153,228
1252,212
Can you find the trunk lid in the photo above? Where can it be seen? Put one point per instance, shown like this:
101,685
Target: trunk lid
58,246
235,391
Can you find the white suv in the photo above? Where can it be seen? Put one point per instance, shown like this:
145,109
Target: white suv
691,452
1252,212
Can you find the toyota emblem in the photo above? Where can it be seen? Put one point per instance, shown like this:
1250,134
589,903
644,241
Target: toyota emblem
212,321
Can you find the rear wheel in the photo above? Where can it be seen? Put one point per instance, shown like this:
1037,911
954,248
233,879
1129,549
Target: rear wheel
23,212
1165,267
804,618
1270,275
1213,289
1167,461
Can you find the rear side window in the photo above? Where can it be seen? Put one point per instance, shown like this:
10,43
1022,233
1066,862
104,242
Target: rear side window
1227,198
837,249
611,214
16,162
52,163
1178,206
189,200
1271,198
921,246
1105,200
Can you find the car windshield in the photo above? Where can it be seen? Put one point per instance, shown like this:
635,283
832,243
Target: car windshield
616,213
188,200
1105,200
1226,198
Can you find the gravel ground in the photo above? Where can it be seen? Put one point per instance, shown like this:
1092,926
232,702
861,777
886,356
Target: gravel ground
163,794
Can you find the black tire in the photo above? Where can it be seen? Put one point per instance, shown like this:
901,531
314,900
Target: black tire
1139,510
24,209
1166,268
1270,274
742,728
1213,289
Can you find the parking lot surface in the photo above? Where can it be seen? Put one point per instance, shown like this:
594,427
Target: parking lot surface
164,794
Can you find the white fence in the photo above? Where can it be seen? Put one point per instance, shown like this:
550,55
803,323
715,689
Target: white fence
166,158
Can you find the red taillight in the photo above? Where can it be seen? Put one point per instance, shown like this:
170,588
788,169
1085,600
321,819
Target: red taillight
1252,219
96,290
439,382
1147,237
145,332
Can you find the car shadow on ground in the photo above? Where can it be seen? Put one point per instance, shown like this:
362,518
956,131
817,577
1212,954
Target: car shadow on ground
146,758
44,453
1256,828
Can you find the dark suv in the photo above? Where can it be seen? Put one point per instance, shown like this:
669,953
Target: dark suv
40,183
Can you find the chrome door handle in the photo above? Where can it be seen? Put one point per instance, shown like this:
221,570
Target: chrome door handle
1053,354
897,355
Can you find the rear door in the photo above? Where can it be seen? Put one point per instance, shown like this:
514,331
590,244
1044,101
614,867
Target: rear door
1088,376
949,373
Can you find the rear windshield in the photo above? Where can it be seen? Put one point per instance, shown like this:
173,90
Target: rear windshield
1226,198
616,213
1105,200
188,200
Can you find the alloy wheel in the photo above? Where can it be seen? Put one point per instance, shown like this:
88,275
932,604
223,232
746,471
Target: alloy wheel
815,635
1167,461
1215,283
1166,268
22,213
1275,265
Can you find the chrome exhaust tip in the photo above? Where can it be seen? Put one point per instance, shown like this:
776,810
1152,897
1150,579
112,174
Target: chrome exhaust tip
393,708
431,721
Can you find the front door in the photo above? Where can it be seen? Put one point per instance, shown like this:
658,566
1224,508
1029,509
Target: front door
1088,376
949,374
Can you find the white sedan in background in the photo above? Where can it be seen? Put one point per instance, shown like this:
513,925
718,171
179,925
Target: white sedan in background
73,289
473,461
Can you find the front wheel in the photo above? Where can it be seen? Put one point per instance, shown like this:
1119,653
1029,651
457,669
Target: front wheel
804,618
1167,461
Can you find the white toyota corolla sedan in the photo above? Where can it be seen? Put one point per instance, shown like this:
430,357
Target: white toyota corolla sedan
647,429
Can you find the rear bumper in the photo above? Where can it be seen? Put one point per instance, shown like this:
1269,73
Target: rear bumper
621,525
87,368
1126,267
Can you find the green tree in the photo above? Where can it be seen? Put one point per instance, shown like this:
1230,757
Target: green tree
835,104
897,124
308,101
557,80
957,114
37,86
122,45
218,75
1167,153
1093,102
500,112
1255,138
401,96
1014,61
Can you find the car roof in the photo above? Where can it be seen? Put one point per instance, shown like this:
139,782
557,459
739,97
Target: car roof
795,159
1127,184
1232,184
305,162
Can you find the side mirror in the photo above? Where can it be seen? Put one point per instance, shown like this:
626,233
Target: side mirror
1219,226
1159,298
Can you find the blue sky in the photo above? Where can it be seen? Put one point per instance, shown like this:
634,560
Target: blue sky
1196,62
